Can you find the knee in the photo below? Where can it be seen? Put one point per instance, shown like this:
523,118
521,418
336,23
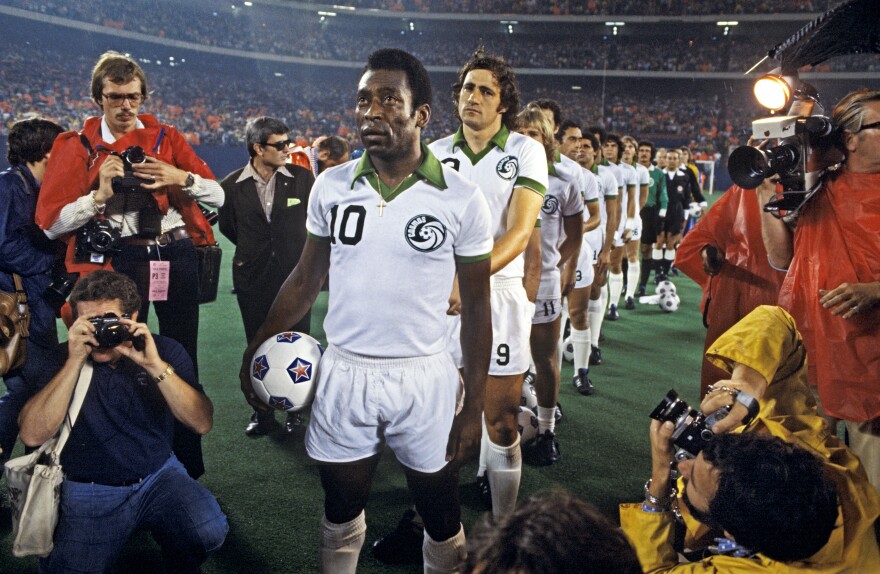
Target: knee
502,431
207,536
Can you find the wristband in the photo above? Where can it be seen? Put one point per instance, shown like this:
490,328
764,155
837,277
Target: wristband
750,403
646,507
99,208
169,370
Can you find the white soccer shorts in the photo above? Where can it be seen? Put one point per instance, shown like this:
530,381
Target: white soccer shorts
362,403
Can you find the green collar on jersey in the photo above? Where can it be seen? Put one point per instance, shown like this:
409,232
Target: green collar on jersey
551,169
429,171
499,139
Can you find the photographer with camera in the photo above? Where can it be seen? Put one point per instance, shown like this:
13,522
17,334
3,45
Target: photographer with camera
119,469
832,287
778,493
26,252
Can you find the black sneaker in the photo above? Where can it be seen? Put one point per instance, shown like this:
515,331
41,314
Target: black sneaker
595,355
630,304
558,414
485,490
583,384
293,422
612,314
546,449
641,291
261,424
403,545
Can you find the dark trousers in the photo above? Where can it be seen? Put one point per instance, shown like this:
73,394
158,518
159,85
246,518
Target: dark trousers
178,317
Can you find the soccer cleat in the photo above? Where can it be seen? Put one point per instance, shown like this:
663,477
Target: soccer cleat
529,378
293,422
612,314
484,490
630,304
261,424
403,545
641,291
546,449
595,355
558,414
601,337
583,384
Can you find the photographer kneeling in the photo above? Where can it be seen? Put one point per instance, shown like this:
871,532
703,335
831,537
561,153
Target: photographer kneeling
779,494
119,469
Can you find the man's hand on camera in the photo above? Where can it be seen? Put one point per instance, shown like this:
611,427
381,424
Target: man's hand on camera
662,454
724,394
81,339
851,299
111,168
158,174
148,356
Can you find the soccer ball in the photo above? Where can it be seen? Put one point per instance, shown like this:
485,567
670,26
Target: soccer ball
528,399
568,349
665,287
284,370
670,302
528,425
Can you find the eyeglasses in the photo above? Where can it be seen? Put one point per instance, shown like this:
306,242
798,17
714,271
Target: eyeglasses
116,100
280,146
872,126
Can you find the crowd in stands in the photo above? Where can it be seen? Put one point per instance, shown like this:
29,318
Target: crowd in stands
211,106
255,30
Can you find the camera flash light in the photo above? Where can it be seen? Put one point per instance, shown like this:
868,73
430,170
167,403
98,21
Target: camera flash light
772,92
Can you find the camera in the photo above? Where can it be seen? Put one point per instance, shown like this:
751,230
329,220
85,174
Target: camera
693,429
59,290
95,240
110,332
132,156
804,144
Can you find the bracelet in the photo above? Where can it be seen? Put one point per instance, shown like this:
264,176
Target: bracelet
646,507
98,208
169,370
664,502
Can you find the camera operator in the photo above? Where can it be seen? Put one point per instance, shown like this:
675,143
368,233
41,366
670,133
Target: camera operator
119,469
832,287
24,250
780,489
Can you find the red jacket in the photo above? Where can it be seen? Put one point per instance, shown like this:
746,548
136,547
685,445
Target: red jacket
745,281
837,240
72,173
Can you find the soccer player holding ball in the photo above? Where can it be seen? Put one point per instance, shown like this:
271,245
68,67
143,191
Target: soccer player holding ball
392,229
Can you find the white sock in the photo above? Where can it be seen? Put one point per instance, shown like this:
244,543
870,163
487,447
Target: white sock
580,340
546,419
633,273
484,448
669,255
505,469
657,255
444,557
615,286
341,544
596,309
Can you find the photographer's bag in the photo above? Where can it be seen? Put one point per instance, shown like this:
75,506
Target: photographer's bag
15,320
209,271
34,483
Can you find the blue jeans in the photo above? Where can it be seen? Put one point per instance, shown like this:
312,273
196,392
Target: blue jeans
42,364
96,521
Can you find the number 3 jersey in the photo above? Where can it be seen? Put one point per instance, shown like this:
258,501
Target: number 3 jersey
393,258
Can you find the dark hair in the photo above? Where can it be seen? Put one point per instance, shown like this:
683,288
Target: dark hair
505,77
416,74
551,533
259,129
616,139
772,496
103,285
650,144
600,133
565,126
593,140
553,106
30,140
117,68
335,146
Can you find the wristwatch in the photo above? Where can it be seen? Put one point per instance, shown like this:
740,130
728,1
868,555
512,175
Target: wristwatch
190,181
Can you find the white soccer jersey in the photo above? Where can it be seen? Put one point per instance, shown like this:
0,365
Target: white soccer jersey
644,178
564,198
630,178
510,160
392,264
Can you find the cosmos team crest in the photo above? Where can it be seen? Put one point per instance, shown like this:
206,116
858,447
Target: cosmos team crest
507,168
551,204
425,233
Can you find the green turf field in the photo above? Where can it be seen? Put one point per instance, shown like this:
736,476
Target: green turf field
271,493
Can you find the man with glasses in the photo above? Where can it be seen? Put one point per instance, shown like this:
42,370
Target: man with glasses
90,195
265,217
832,287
